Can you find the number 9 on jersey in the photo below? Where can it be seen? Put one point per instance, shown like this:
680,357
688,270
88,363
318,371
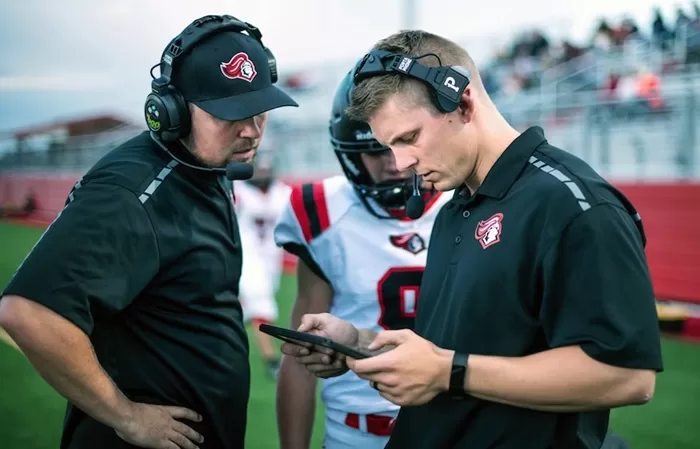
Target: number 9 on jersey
397,293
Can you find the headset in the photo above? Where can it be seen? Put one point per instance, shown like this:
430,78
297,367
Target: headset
166,112
445,83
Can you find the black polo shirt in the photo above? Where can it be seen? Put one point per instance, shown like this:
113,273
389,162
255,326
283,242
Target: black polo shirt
545,254
145,259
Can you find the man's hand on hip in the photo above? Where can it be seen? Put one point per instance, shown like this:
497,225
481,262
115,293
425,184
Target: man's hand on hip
158,427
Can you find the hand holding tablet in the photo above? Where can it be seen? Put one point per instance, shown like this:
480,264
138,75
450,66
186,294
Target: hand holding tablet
307,340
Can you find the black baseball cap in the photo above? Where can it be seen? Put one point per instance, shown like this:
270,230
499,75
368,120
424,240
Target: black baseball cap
228,76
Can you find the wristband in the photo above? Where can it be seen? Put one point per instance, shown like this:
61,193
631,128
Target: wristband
458,375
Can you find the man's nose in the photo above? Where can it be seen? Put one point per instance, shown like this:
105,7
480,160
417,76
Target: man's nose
403,161
251,128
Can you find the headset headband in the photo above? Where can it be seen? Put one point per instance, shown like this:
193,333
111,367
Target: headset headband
446,82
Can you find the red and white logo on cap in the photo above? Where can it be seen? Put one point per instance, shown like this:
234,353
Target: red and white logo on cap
239,67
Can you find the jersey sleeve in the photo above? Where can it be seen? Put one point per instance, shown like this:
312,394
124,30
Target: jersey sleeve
303,219
598,292
94,259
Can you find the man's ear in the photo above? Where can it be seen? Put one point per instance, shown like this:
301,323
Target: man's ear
466,105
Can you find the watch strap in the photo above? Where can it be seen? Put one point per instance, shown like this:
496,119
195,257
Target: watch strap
458,375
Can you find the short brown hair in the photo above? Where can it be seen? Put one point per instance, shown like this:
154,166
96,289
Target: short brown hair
371,94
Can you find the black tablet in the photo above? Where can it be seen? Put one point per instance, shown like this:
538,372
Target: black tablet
296,337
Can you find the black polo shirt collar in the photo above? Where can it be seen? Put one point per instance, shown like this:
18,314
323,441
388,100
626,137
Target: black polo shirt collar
508,166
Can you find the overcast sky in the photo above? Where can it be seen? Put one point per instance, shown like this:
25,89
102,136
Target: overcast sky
69,58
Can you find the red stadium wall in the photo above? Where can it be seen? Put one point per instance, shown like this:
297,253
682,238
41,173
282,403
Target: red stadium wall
50,190
670,211
671,217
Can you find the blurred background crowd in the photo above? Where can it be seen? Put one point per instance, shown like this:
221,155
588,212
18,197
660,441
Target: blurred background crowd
614,98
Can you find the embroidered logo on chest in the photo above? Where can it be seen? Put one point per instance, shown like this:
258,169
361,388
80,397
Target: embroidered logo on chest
488,232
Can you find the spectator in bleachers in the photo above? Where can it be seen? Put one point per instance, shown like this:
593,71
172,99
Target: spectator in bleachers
649,90
661,35
688,30
521,67
539,44
603,37
570,51
634,92
628,31
682,20
610,85
626,93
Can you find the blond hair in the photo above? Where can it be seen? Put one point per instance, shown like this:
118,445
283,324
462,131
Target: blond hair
371,94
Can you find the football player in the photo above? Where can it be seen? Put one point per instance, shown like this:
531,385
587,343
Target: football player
259,204
360,258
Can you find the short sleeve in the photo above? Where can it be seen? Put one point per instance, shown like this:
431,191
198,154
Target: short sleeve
94,259
598,293
292,231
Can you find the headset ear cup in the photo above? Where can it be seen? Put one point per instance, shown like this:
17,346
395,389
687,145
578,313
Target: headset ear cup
156,114
441,103
444,104
183,113
449,91
437,100
178,116
272,63
170,132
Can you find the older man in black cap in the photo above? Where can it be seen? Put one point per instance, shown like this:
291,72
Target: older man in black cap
128,305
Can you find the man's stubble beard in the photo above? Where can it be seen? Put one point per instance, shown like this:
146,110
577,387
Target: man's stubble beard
192,149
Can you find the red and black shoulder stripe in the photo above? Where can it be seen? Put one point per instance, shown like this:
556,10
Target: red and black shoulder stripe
310,207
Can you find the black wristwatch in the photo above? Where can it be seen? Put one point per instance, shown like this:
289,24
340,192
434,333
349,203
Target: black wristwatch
458,374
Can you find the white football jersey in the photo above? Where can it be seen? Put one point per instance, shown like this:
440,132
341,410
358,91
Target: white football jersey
374,266
257,213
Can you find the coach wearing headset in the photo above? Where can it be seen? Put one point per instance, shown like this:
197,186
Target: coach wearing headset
128,305
536,312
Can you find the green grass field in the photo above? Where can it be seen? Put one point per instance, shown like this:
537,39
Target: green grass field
31,413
